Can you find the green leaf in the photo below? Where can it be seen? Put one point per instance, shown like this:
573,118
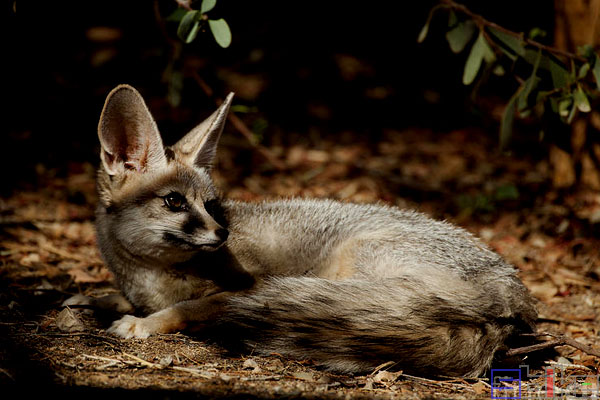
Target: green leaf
587,51
529,84
207,5
523,101
571,114
220,31
514,44
481,50
177,15
508,117
189,26
460,35
473,64
545,62
536,63
488,54
583,70
536,32
581,100
425,28
423,32
564,106
559,74
596,71
567,107
499,70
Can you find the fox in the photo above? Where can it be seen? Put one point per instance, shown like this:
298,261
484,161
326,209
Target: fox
348,286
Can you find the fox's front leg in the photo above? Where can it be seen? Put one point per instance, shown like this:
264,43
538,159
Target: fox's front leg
171,319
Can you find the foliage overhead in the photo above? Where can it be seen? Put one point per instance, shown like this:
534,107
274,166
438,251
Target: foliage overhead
193,21
549,79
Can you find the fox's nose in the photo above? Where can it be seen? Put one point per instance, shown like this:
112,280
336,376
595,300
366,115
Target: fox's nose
222,233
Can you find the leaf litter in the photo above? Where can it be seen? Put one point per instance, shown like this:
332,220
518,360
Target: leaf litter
48,253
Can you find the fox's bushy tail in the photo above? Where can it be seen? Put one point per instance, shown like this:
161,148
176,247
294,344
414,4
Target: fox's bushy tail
355,325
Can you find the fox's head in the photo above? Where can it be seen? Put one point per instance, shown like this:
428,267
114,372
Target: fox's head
155,201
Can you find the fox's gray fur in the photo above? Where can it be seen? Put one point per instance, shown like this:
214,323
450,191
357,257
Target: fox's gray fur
349,286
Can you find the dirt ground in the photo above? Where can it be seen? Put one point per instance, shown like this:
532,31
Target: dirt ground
48,253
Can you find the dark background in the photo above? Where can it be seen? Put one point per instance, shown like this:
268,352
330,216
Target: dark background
331,69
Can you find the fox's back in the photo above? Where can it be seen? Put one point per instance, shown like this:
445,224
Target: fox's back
376,243
298,232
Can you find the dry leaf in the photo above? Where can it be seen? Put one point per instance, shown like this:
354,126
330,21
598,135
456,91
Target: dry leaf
480,387
67,321
81,275
386,376
251,364
305,376
30,259
543,290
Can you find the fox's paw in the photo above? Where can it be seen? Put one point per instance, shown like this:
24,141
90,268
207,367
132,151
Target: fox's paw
164,321
133,327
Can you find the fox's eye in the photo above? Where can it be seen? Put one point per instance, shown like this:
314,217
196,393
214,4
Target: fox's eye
175,201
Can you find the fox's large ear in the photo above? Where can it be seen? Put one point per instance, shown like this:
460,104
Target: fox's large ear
199,146
128,134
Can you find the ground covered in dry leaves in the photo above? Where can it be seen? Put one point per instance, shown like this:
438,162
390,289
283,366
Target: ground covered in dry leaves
48,253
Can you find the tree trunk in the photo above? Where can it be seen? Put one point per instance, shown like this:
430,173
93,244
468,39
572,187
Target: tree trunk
577,22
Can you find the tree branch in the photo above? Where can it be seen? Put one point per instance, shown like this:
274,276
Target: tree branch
482,23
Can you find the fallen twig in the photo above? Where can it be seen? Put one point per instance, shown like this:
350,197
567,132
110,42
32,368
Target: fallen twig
533,347
450,383
558,340
71,334
382,366
142,361
100,358
175,367
147,364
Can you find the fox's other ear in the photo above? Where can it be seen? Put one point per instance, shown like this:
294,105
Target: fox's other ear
128,134
199,146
